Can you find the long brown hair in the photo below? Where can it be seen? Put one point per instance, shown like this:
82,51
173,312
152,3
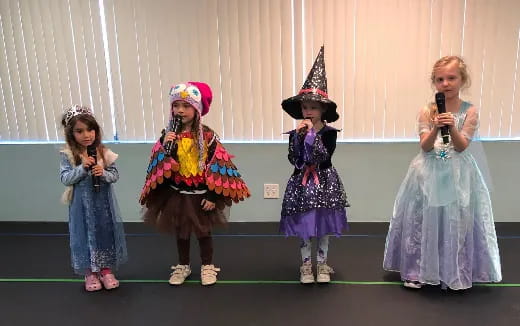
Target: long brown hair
197,130
91,124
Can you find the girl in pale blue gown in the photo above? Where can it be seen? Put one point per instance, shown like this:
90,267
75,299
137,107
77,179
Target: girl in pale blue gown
442,229
97,239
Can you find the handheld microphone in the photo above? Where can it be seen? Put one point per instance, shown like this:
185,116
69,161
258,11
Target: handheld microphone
440,100
174,126
92,151
303,130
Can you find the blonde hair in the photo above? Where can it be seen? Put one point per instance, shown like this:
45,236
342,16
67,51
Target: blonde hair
464,75
463,69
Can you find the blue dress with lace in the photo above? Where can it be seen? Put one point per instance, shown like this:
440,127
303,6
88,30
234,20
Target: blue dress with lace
442,228
97,238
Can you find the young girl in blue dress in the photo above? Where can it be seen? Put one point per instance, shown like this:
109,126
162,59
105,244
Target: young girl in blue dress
97,239
442,229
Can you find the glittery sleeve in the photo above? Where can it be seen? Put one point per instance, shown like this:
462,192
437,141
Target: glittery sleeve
312,148
70,175
319,148
110,174
329,141
295,155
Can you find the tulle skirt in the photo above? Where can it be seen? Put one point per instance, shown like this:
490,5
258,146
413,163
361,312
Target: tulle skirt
173,212
315,223
315,207
442,228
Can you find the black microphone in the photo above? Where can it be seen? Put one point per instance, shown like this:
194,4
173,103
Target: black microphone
440,100
174,126
92,152
303,130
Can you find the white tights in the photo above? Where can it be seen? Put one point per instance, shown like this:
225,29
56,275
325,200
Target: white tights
323,248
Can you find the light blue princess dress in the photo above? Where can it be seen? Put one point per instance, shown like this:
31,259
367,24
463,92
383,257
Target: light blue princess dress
97,239
442,229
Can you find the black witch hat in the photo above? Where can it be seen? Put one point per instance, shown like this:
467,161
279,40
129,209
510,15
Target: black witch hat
314,89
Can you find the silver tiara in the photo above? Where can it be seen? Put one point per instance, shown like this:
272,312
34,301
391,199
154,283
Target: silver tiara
76,110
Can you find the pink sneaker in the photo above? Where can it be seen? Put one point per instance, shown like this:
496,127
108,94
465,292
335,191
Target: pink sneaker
92,282
109,280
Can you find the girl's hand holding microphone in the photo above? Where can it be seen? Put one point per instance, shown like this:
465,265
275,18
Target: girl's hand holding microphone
97,170
304,126
444,119
170,136
88,162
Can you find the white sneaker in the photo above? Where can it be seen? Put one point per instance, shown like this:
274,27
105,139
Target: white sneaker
208,274
412,285
306,275
179,274
324,272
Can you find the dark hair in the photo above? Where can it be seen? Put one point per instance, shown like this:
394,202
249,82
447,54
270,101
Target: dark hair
92,124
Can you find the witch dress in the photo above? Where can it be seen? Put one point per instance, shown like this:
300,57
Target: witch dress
315,200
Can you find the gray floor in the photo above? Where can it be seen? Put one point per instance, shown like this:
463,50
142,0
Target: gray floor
38,288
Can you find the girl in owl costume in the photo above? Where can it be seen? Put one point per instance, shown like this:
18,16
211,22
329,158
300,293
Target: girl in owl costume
187,189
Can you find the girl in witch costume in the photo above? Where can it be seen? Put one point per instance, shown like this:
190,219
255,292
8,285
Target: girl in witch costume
186,189
315,202
97,239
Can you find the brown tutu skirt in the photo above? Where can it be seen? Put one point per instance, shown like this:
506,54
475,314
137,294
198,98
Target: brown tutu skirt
181,214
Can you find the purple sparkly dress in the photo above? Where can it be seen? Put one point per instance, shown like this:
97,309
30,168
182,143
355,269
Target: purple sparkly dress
315,202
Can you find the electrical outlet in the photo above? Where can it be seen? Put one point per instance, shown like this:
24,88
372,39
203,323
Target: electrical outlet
271,190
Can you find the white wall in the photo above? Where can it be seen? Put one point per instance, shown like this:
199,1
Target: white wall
371,173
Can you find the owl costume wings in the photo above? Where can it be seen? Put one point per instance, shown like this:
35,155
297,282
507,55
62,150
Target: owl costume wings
220,174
